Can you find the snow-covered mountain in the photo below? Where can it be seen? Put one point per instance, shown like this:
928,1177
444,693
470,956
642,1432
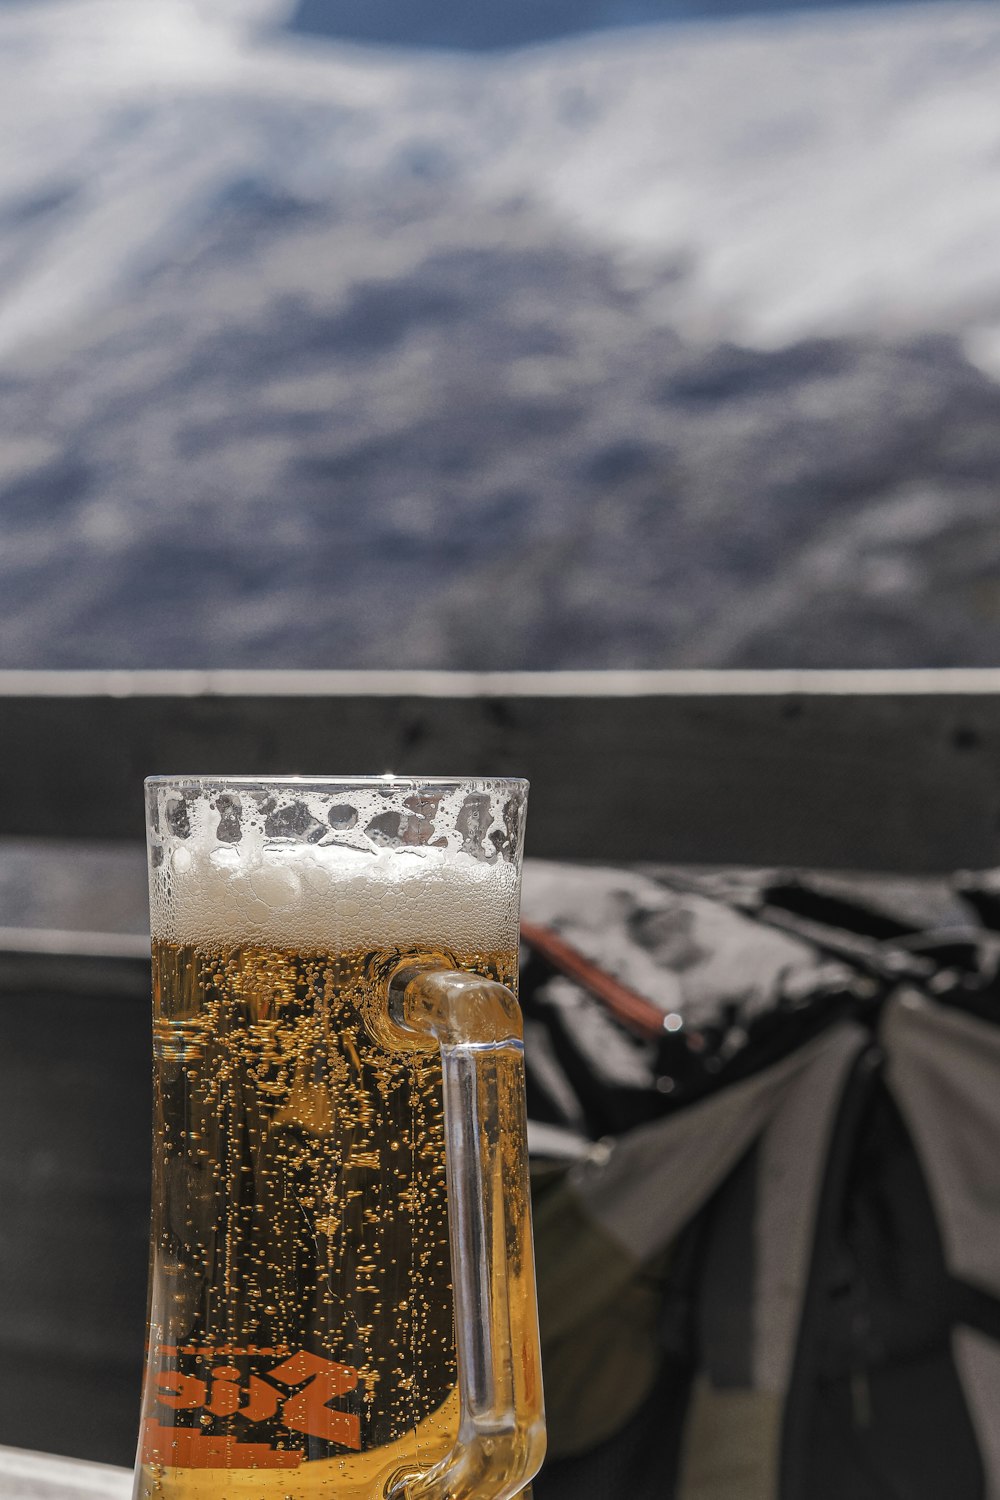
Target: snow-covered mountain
672,345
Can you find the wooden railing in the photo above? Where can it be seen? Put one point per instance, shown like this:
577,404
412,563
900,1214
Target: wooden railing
863,770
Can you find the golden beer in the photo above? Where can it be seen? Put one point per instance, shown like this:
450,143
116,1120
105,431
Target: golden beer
302,1333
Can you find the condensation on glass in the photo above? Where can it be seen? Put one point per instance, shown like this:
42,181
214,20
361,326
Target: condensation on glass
342,1297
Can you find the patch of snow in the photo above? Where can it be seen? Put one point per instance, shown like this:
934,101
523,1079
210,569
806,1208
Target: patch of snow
813,172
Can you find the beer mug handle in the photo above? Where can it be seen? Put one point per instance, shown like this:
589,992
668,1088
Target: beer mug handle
476,1023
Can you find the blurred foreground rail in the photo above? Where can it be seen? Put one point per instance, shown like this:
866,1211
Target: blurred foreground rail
36,1476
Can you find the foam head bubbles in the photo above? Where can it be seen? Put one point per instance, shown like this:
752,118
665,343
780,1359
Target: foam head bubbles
335,863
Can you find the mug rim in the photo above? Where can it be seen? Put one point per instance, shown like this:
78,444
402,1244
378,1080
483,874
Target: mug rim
387,780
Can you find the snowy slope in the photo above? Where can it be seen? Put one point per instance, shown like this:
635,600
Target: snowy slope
314,354
816,172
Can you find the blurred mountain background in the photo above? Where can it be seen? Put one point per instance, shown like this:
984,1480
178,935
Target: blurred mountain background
383,334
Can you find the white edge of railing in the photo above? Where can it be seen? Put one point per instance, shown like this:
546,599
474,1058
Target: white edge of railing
590,684
57,942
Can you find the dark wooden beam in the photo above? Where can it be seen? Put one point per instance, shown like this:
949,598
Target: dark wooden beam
842,770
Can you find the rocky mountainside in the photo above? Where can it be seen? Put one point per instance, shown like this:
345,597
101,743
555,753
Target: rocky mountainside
669,346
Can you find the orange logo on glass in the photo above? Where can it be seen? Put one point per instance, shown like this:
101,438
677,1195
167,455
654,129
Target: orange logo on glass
294,1395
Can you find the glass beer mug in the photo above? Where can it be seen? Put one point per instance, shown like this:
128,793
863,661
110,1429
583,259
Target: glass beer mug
342,1298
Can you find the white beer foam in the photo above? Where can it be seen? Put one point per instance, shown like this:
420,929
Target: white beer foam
301,896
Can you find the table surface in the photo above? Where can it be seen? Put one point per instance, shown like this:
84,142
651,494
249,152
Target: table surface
40,1476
